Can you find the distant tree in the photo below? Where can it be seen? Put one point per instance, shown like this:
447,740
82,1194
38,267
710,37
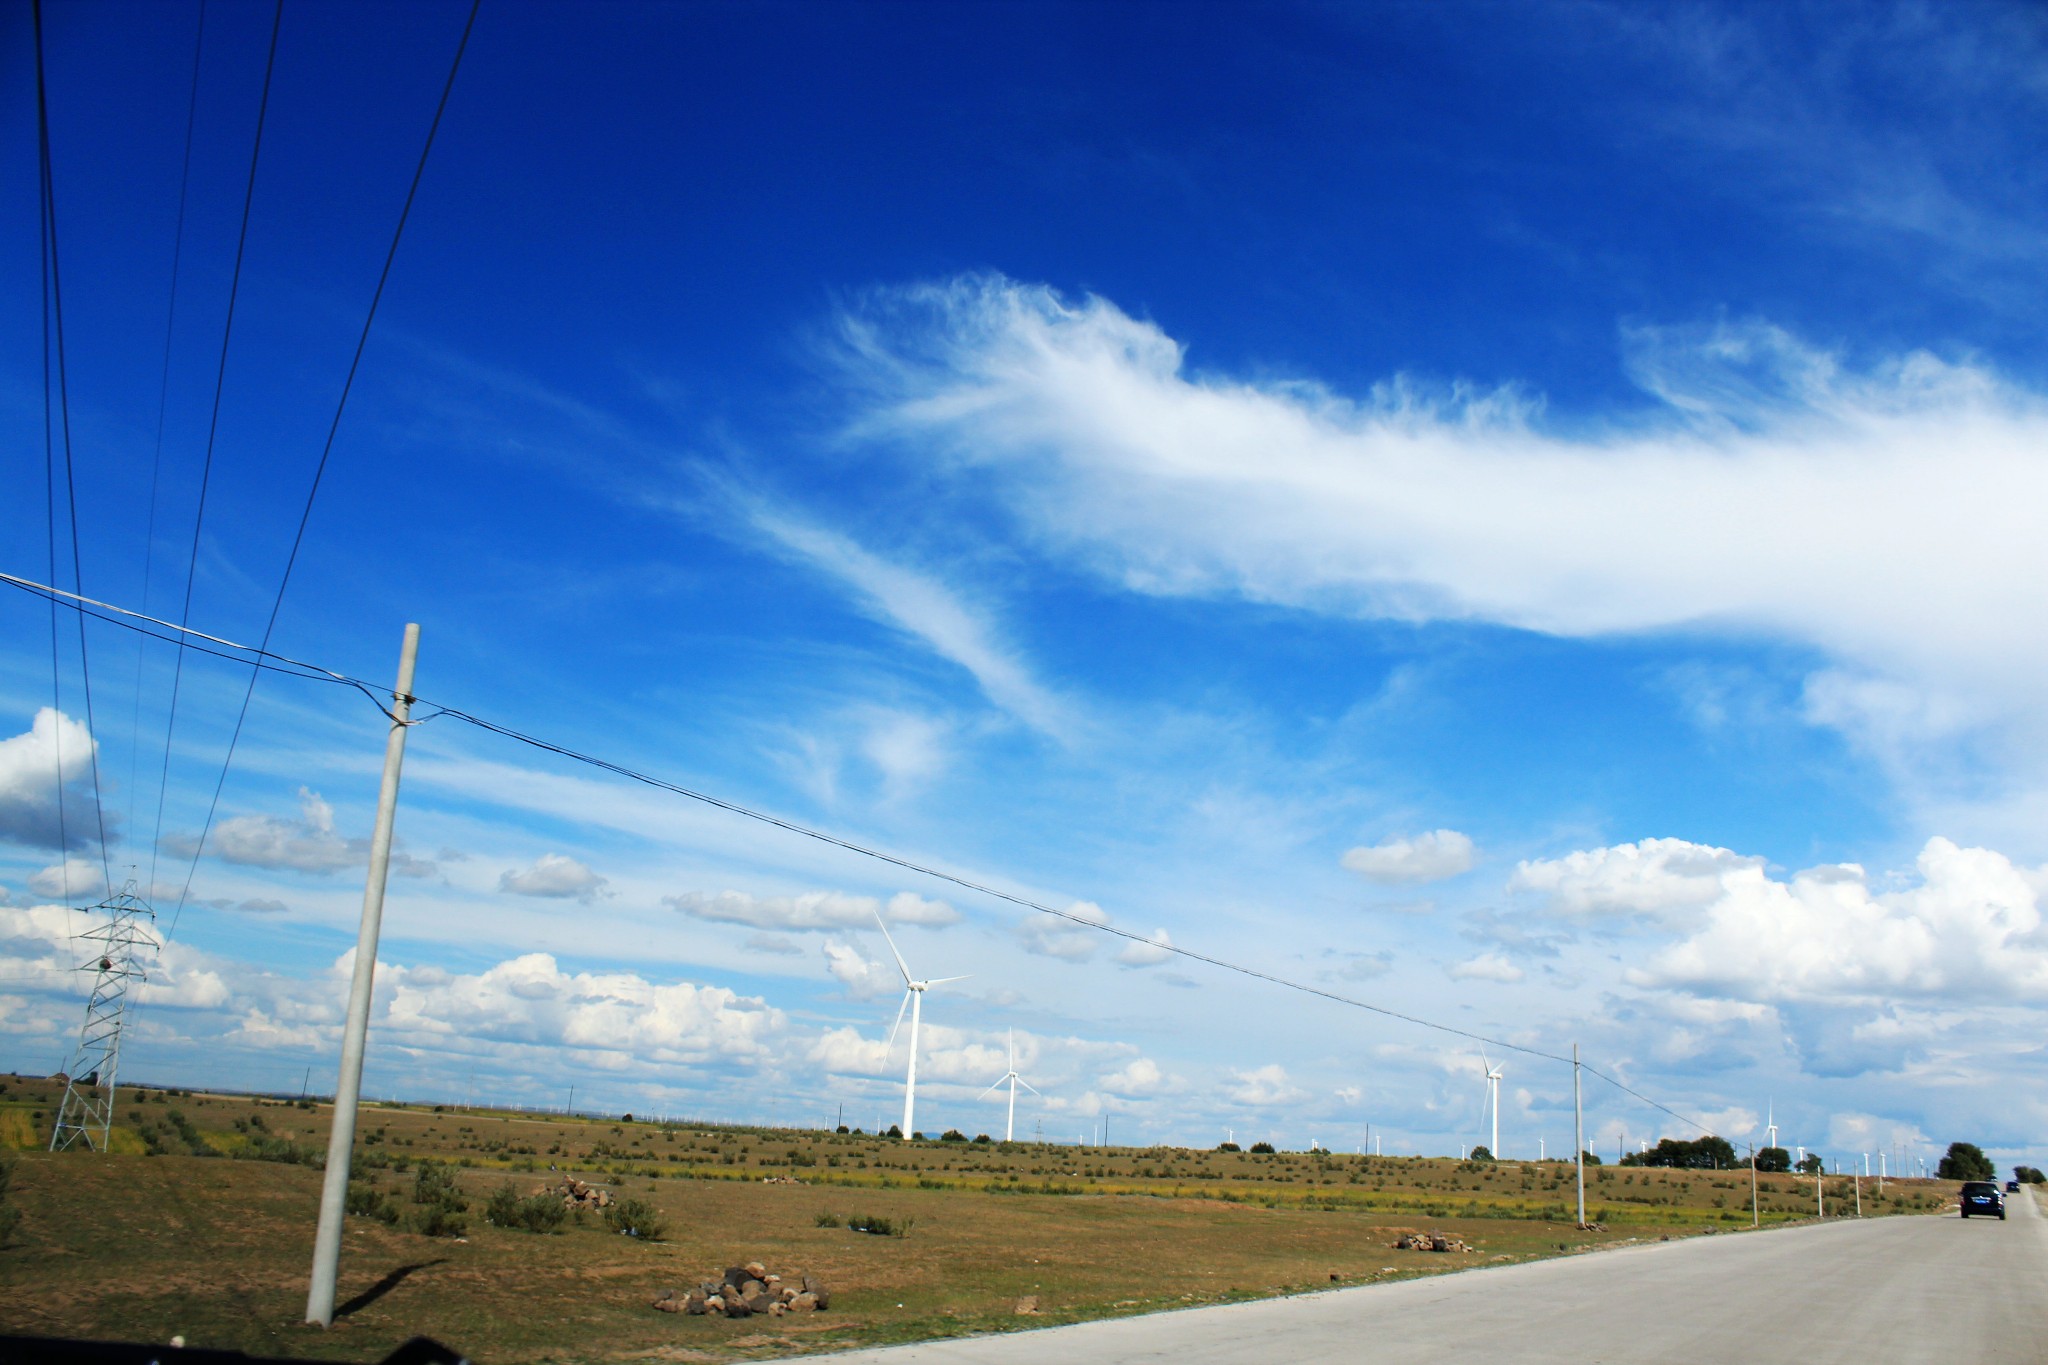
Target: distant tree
1810,1164
895,1131
1966,1161
1707,1153
1480,1153
1228,1147
983,1138
952,1135
2029,1175
1774,1159
1589,1158
1262,1149
843,1128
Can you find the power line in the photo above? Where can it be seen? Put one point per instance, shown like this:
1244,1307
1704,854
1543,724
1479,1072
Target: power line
213,428
163,394
53,298
274,662
326,450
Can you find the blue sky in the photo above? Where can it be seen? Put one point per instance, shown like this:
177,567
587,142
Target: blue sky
1526,516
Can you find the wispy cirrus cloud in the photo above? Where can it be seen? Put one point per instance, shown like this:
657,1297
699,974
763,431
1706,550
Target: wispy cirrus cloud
1880,514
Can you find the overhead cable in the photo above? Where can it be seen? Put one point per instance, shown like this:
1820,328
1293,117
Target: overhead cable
220,378
272,661
320,469
53,312
163,394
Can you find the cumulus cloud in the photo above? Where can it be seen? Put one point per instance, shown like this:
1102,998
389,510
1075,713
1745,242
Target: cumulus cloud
1971,928
1048,936
1148,954
72,879
556,876
812,910
1883,515
1430,857
54,751
1139,1076
1487,967
614,1017
1654,879
864,979
307,844
1267,1085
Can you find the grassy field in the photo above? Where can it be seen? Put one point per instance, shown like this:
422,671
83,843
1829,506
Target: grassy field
200,1224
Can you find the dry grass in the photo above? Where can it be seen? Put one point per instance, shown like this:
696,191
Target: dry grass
216,1249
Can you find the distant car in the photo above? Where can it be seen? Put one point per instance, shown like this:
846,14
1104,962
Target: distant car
2012,1187
1982,1196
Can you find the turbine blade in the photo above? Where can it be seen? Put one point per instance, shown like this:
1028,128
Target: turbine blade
1029,1086
992,1089
897,1025
944,979
901,966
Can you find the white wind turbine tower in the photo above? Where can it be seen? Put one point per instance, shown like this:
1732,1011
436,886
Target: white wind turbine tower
1010,1128
1771,1122
913,1000
1493,1075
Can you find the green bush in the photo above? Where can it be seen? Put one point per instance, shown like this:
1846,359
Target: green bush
438,1220
1262,1149
825,1220
435,1184
880,1227
367,1201
636,1218
533,1213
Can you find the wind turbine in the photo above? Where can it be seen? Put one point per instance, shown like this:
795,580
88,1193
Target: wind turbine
1010,1128
913,1000
1771,1122
1493,1076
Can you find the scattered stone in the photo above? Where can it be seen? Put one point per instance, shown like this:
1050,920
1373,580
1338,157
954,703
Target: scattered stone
749,1290
1027,1305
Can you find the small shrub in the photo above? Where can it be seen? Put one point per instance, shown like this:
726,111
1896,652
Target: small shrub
636,1218
880,1227
825,1220
540,1213
983,1139
952,1135
435,1184
438,1220
1262,1149
367,1201
1228,1147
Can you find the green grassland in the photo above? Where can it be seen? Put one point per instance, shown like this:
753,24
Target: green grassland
199,1223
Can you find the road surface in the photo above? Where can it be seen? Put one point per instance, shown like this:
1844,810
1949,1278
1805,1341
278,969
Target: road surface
1862,1292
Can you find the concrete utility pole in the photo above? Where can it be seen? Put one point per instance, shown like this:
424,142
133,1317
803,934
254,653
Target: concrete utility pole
1579,1134
1755,1218
342,1140
1858,1181
1820,1190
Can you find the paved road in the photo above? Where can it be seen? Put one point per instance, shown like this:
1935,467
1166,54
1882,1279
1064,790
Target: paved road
1884,1290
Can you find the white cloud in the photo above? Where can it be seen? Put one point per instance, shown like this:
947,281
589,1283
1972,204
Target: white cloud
553,875
812,910
862,978
72,879
920,605
1487,967
1656,878
1148,954
1883,515
618,1016
1267,1085
307,844
773,943
29,778
1139,1076
1430,857
1049,936
1971,929
1350,1094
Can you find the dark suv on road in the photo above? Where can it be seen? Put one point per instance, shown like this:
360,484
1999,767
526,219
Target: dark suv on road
1982,1196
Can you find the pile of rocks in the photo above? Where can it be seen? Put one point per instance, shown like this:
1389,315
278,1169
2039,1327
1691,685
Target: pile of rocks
746,1290
577,1195
1429,1241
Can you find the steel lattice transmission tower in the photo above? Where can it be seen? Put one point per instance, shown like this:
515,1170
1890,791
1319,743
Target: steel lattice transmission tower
125,941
